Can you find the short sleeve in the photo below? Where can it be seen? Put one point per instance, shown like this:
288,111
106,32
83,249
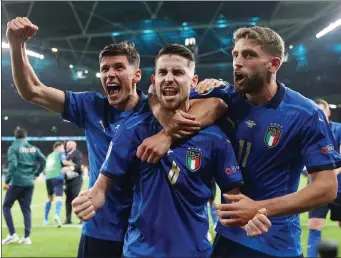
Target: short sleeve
120,154
227,173
317,144
75,107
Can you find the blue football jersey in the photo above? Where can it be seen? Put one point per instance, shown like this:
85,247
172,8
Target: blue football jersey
336,129
101,121
272,143
169,214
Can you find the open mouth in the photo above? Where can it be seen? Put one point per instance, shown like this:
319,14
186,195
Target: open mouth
169,92
239,77
113,89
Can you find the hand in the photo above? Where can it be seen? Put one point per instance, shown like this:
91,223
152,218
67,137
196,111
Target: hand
87,203
241,210
259,225
5,187
19,30
152,149
180,124
207,84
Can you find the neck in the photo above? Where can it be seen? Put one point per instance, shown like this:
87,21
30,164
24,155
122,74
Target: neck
129,103
265,95
185,106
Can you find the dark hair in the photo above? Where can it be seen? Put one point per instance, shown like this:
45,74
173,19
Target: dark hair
123,48
322,102
20,133
57,144
179,50
268,39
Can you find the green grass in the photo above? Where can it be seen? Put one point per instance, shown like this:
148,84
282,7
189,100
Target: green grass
63,242
47,241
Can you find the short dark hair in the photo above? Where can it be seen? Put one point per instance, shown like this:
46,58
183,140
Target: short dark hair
322,102
267,38
57,144
179,50
123,48
20,133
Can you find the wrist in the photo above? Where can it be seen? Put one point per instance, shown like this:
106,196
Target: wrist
15,45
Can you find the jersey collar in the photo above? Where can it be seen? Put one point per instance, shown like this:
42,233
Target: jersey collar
277,98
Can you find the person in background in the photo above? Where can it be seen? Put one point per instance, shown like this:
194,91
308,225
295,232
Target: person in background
56,166
73,178
23,159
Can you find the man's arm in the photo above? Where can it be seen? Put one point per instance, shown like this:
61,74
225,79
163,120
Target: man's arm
322,190
29,86
89,201
314,133
12,164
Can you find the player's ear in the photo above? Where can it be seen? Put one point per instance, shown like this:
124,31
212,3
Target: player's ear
274,64
137,76
195,80
153,80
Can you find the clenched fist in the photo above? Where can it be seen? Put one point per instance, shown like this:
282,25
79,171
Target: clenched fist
87,203
19,30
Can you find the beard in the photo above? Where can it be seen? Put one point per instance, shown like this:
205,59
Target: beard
254,83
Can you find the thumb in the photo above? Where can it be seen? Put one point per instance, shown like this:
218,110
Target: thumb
262,211
233,197
187,115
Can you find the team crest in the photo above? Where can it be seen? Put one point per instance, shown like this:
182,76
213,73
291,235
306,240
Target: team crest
193,157
272,135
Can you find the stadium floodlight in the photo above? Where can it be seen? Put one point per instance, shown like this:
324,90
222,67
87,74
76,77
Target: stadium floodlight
54,49
291,46
329,28
98,75
332,106
190,42
28,52
71,66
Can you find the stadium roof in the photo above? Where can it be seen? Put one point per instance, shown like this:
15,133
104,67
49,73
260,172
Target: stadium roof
80,29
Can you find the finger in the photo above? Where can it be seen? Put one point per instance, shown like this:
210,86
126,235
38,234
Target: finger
187,122
156,159
226,214
151,157
199,87
89,216
18,29
30,29
254,228
79,200
231,222
225,207
233,197
209,86
86,212
185,134
140,150
264,220
248,230
262,211
260,226
81,208
146,154
191,129
84,193
187,115
21,27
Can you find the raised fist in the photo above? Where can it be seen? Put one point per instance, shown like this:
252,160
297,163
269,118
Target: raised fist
19,30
